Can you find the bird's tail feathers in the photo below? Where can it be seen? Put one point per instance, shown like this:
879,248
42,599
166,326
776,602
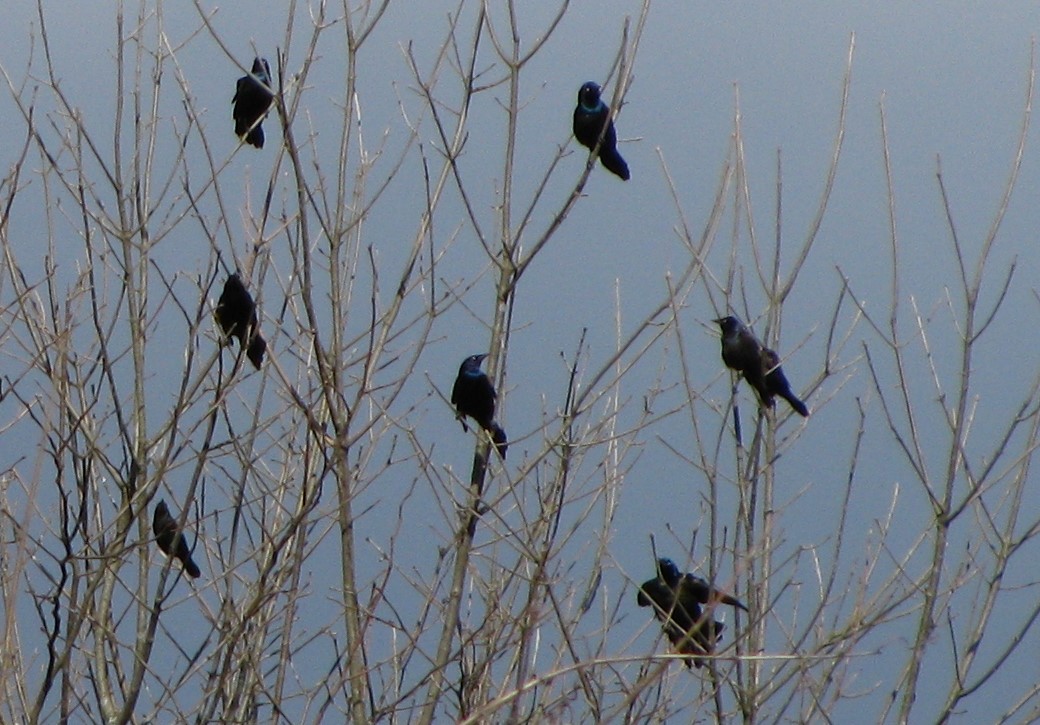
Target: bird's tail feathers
256,136
498,435
192,568
613,162
732,601
798,405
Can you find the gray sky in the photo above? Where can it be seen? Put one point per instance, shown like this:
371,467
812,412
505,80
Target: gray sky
953,77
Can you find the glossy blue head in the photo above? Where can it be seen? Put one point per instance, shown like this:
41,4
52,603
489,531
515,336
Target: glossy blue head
729,325
670,573
261,70
471,365
588,97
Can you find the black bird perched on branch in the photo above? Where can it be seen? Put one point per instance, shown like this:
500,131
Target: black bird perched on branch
677,600
236,315
170,540
760,366
590,116
252,99
474,395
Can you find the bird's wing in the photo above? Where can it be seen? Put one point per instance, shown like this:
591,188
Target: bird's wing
695,588
240,89
699,590
656,593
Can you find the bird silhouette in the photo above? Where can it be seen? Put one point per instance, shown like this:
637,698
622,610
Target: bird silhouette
252,100
236,315
677,600
171,541
760,366
590,116
474,395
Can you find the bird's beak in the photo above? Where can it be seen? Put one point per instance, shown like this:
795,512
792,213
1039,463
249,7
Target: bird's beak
719,320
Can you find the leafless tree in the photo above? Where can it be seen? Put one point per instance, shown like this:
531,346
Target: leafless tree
305,488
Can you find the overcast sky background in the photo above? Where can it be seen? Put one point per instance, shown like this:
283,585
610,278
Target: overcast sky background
953,77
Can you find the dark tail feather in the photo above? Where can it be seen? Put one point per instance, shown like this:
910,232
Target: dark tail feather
255,351
733,602
798,405
614,163
256,137
192,568
499,437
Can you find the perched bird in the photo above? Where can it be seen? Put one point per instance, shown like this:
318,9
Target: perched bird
590,116
760,366
677,600
474,395
236,315
170,540
252,99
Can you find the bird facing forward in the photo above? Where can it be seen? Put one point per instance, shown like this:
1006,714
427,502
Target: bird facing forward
591,115
760,366
252,101
236,315
171,541
684,603
474,395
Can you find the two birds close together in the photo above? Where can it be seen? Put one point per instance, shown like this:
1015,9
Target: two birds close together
685,605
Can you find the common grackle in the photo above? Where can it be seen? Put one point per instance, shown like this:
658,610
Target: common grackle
590,115
170,540
677,600
474,395
236,315
759,365
252,99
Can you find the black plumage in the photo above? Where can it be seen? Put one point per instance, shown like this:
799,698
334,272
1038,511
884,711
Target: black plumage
171,541
760,366
474,395
252,101
590,116
684,603
236,315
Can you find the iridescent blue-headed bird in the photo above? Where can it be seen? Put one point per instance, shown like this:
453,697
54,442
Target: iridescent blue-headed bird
474,395
760,366
252,100
591,117
683,603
